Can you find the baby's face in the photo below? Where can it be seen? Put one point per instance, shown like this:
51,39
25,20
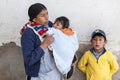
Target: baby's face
57,25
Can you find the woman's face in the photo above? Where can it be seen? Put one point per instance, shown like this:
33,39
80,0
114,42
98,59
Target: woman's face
42,18
58,25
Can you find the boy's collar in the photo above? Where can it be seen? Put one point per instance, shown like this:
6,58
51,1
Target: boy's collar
103,50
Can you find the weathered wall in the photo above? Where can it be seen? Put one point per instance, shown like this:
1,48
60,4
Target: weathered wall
11,62
84,15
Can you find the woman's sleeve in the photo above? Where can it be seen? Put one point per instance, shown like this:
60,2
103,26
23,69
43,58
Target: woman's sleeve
31,54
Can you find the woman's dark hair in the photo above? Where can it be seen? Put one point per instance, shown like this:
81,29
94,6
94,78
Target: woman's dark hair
64,21
34,10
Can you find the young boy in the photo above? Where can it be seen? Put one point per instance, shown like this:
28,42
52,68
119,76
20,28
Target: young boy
98,63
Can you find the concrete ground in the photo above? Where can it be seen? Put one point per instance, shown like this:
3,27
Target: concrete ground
11,63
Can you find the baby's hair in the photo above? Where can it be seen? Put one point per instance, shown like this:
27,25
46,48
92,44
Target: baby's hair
34,10
64,21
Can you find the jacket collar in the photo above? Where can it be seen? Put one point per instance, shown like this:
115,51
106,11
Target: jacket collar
92,49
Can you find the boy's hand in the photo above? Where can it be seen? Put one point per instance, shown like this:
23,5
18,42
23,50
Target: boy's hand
47,41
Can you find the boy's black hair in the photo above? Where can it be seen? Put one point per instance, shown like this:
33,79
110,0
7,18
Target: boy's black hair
98,34
34,10
64,21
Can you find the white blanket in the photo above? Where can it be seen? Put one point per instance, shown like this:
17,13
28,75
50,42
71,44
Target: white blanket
64,48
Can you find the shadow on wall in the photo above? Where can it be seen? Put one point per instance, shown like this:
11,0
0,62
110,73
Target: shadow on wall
11,62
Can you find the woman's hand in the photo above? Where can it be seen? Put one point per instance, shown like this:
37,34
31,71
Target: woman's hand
47,41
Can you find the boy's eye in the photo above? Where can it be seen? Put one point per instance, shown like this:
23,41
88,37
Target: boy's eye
94,39
100,39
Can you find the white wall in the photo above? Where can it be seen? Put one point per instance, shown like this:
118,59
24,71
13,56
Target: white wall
84,15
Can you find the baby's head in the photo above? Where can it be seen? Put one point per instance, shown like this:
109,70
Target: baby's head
38,13
61,22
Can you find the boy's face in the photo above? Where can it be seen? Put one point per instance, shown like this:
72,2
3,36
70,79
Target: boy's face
57,25
42,18
98,43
